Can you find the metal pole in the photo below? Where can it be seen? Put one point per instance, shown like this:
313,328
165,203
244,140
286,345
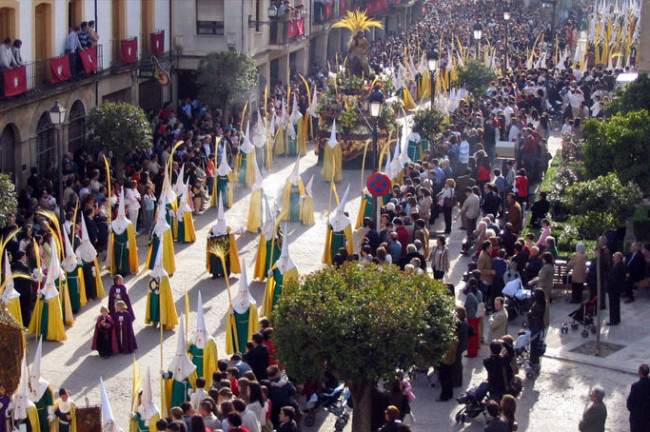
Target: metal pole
433,88
59,151
478,41
375,201
599,302
505,63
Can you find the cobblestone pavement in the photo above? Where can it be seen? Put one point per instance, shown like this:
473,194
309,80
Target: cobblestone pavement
555,400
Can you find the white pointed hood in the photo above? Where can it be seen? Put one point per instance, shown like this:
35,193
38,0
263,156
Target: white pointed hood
223,169
403,153
295,111
179,186
309,185
10,292
221,227
340,220
120,223
387,166
159,271
258,176
284,261
243,300
38,384
246,146
53,273
147,408
272,124
168,190
332,141
294,178
161,220
181,366
201,336
86,251
269,220
69,263
184,205
108,421
20,401
284,115
259,136
312,109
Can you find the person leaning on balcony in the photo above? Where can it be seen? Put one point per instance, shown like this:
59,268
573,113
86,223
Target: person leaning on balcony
7,60
84,37
72,45
15,50
92,34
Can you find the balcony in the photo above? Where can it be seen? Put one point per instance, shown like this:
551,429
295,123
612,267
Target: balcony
38,75
324,12
153,44
285,32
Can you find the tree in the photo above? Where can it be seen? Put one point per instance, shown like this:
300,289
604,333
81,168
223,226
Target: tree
429,123
621,145
635,96
601,203
120,128
359,324
225,78
475,77
8,200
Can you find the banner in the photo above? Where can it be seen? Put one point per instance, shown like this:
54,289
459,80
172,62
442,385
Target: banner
15,81
60,68
295,28
89,59
158,43
129,50
327,11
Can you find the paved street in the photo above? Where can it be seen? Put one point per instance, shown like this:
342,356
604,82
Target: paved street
555,400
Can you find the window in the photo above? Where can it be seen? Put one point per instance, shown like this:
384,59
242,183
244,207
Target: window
210,17
75,13
43,31
8,23
76,127
45,143
8,142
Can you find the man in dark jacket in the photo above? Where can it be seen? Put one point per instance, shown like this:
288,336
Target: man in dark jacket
463,329
638,401
490,201
23,286
258,357
635,270
615,284
539,210
496,366
281,393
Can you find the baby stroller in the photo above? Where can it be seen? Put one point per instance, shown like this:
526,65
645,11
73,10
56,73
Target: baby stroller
475,401
518,299
584,316
333,402
524,344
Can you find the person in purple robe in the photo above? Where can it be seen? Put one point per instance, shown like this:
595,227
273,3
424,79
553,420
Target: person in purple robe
4,404
124,328
118,293
104,340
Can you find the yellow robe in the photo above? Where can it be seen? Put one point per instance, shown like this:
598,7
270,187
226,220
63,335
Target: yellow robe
14,309
210,358
250,169
328,244
332,163
133,424
55,327
302,131
362,212
407,98
168,388
280,145
188,225
213,197
233,252
32,415
253,327
64,295
269,292
82,287
261,259
424,89
168,315
168,257
54,427
98,281
286,197
307,211
255,211
133,251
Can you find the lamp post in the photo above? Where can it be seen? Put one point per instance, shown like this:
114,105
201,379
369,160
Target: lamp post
478,35
376,100
57,117
553,4
506,18
433,67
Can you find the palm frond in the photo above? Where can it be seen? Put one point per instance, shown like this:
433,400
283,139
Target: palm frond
218,251
357,21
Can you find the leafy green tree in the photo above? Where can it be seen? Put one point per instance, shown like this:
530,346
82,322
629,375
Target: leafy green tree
600,203
475,77
120,128
635,96
8,199
429,123
225,78
359,324
621,145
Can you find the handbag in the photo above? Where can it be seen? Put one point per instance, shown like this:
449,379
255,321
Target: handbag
480,310
448,202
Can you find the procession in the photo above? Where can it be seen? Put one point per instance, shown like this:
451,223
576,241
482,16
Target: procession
156,289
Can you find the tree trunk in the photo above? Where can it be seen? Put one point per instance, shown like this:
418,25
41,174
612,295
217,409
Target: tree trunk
119,169
361,394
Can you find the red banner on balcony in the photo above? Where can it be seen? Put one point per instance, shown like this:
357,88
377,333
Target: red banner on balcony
15,81
343,7
373,6
60,68
295,28
129,50
89,59
327,11
157,43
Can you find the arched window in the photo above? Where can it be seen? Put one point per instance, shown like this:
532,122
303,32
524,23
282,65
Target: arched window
43,31
9,140
45,142
75,13
77,126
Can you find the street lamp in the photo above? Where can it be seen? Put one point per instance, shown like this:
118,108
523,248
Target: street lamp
57,117
478,35
433,57
506,17
376,100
